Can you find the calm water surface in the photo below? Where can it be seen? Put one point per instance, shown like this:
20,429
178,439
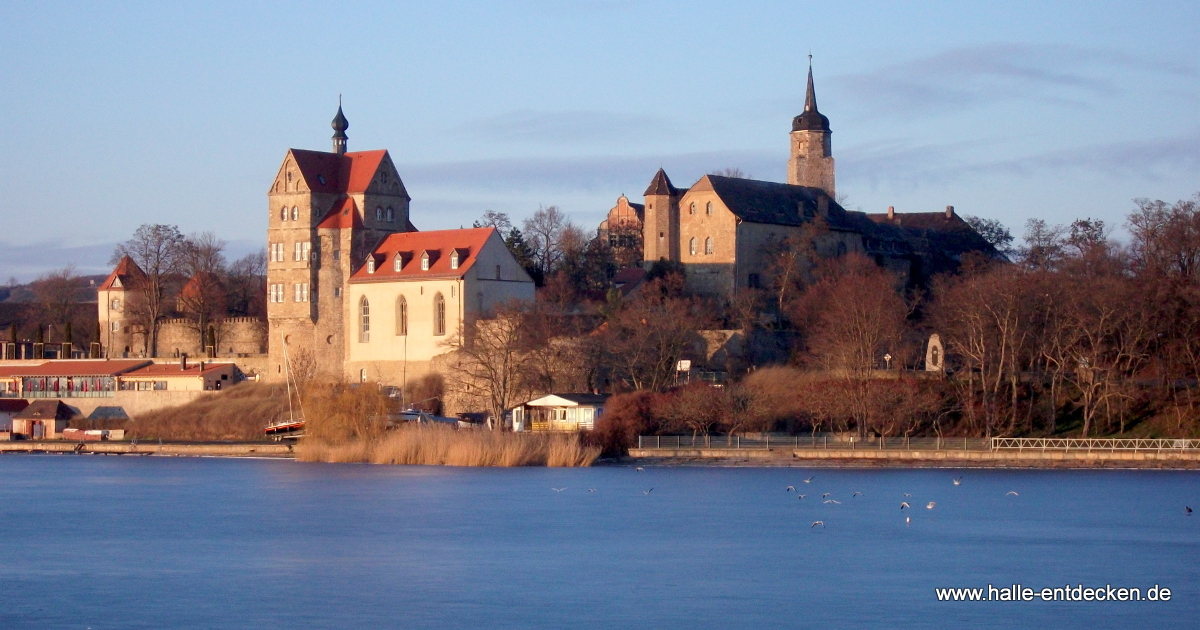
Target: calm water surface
122,542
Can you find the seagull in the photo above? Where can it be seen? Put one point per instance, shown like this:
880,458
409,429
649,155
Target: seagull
647,492
930,506
809,480
856,494
1012,493
907,520
801,496
958,482
834,501
904,504
791,489
1187,510
640,469
558,489
907,494
826,494
591,489
815,523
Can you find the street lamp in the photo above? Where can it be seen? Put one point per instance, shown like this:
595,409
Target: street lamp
887,359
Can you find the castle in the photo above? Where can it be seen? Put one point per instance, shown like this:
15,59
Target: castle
722,229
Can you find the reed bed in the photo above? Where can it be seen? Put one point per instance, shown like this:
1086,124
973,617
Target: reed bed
446,446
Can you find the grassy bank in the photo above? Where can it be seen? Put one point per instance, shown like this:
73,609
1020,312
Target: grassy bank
445,446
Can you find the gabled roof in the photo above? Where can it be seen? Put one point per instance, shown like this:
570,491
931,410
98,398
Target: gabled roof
410,245
95,367
45,410
349,173
568,400
769,202
343,215
935,232
127,271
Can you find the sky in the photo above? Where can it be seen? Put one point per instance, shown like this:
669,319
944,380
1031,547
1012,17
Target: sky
117,114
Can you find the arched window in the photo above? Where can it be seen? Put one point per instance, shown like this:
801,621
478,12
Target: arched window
692,246
708,246
391,215
692,208
364,318
283,214
362,375
708,208
401,316
439,314
378,213
295,213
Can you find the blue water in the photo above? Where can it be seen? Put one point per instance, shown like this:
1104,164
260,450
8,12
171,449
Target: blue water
122,542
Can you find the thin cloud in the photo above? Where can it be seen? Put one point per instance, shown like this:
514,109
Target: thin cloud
915,164
570,127
967,77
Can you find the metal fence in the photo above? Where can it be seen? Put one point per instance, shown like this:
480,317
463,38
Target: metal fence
1093,444
810,442
736,442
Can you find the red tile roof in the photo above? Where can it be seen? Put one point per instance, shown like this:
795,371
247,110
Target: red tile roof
343,215
127,270
173,369
440,244
97,367
333,173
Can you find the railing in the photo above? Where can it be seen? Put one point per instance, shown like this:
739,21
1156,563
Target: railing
809,442
1093,444
67,394
737,442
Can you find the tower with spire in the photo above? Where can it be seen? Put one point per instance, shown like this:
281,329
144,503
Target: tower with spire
340,125
811,162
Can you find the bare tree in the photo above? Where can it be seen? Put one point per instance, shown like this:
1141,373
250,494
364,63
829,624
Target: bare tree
203,298
498,220
246,285
56,294
490,362
543,233
159,251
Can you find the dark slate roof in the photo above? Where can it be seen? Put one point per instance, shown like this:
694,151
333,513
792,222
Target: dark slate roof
584,399
661,185
44,410
811,119
934,231
771,202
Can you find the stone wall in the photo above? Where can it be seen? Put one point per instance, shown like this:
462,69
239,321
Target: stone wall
235,336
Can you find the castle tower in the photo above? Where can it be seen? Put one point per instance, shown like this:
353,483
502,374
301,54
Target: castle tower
326,212
660,229
118,330
340,125
811,163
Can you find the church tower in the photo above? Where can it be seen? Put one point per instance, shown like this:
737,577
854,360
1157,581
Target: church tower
811,163
660,227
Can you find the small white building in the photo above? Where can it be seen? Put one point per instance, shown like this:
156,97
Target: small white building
559,412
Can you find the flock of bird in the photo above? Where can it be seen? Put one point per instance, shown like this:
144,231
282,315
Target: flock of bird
904,505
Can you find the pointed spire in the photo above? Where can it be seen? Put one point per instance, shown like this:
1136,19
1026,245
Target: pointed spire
661,185
811,119
810,96
340,125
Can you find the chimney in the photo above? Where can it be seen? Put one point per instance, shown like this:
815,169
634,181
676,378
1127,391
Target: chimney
891,212
949,212
183,362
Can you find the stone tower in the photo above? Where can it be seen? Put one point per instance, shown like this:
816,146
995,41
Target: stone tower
327,211
660,229
119,336
811,163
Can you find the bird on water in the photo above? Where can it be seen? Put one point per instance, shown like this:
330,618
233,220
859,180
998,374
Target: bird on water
809,480
856,494
958,482
647,492
904,504
1187,510
826,495
930,506
801,496
1012,493
815,523
791,489
558,489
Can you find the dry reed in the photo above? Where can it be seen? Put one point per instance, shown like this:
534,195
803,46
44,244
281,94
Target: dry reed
446,446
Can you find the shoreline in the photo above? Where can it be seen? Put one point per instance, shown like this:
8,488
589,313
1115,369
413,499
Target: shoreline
164,449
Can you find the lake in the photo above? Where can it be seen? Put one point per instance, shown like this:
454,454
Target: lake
146,542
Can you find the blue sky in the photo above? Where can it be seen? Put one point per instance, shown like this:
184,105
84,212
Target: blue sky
115,114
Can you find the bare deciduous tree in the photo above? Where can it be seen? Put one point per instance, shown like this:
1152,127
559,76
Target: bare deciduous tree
159,251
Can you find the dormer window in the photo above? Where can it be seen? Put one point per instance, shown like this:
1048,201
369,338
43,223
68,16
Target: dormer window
371,264
425,261
397,263
454,260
